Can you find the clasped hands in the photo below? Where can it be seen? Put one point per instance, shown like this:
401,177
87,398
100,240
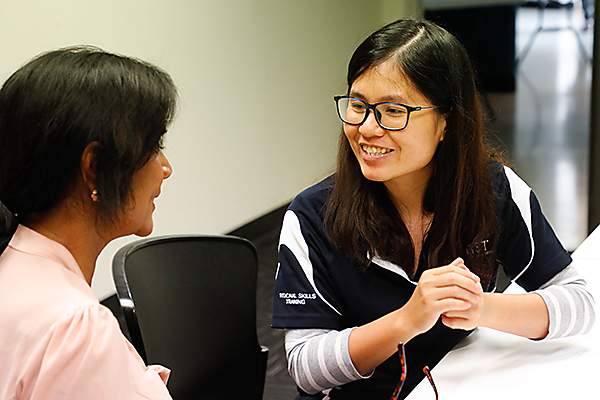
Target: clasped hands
452,292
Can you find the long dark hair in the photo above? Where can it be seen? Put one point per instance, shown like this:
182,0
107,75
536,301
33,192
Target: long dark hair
360,216
54,106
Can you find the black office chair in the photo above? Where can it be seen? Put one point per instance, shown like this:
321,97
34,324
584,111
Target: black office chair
190,304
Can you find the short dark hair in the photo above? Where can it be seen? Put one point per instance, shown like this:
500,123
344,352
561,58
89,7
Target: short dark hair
54,106
360,216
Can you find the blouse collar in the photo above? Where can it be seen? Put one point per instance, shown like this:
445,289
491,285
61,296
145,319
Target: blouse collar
28,241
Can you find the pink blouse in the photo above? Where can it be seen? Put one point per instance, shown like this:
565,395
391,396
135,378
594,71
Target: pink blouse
56,340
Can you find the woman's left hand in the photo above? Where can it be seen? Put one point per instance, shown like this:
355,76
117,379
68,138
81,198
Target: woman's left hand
466,319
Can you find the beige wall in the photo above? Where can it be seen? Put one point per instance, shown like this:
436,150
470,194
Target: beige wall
256,78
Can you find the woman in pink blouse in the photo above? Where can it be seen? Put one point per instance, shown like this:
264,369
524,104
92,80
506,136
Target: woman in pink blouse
81,135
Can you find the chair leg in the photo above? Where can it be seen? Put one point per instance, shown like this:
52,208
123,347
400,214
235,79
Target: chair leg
261,372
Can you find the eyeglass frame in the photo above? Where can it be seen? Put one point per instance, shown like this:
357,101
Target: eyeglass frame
376,112
426,371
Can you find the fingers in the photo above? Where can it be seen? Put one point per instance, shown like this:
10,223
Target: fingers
451,291
458,266
452,287
453,276
458,293
457,322
467,319
435,301
447,301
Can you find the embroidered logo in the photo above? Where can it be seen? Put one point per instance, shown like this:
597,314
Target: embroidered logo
479,248
297,298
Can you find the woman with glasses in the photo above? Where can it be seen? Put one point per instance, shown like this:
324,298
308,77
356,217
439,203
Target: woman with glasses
401,247
81,134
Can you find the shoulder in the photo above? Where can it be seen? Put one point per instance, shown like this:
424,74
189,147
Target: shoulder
508,185
303,223
56,336
313,199
39,289
45,346
503,177
308,207
84,323
86,327
86,355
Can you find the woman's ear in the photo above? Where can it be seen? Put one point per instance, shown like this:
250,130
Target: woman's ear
444,124
441,126
88,164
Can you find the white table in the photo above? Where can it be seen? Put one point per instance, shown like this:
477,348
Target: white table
495,365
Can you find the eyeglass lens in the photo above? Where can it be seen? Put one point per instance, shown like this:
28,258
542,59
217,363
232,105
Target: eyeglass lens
389,115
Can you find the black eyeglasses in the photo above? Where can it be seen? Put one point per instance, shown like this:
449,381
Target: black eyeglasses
389,116
426,371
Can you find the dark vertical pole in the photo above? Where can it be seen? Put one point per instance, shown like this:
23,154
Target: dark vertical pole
594,167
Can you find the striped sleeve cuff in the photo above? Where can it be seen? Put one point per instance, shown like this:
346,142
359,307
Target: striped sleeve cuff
570,304
320,359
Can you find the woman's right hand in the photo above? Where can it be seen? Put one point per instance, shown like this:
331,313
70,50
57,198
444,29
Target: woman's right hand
449,288
440,290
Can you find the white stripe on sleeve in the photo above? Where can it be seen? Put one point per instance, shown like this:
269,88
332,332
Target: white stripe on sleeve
521,195
291,236
570,304
319,359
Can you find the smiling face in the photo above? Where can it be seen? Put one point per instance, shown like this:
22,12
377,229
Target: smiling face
394,157
146,186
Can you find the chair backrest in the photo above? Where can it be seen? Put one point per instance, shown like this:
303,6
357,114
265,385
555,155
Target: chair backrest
190,305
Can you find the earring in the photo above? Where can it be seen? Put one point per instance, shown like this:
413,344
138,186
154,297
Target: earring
94,196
